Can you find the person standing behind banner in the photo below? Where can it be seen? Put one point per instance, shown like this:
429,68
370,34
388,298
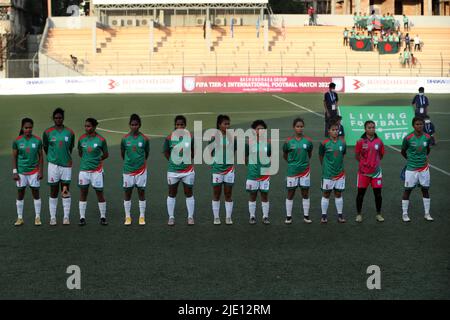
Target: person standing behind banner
420,103
330,104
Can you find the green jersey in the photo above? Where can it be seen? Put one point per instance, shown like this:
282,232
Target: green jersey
227,161
136,149
298,151
255,167
58,144
405,19
92,149
333,158
170,143
416,148
28,150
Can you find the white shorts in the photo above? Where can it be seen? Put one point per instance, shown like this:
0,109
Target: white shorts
227,178
255,185
414,178
86,178
187,178
139,181
328,184
299,182
57,173
26,180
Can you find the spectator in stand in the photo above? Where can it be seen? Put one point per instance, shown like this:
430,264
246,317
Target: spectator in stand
396,38
390,37
355,20
369,27
311,14
352,32
407,42
420,103
400,41
413,60
74,61
405,23
375,40
345,37
406,57
417,43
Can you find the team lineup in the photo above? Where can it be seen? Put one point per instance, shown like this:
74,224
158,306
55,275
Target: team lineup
58,143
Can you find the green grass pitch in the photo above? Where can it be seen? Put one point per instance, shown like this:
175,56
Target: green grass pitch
221,262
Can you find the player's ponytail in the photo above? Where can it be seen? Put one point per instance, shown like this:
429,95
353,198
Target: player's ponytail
24,121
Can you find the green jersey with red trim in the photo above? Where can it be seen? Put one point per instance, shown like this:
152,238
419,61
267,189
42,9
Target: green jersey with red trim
92,148
416,148
255,168
173,141
226,159
333,158
59,145
27,154
298,150
135,148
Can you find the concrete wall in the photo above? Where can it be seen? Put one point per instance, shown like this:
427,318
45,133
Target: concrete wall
49,67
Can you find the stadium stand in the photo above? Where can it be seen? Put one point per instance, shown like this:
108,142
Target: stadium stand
182,50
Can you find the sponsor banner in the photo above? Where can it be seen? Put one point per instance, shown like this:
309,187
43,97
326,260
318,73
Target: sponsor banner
392,123
253,84
363,84
86,85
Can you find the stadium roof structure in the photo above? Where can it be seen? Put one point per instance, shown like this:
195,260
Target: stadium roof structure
180,4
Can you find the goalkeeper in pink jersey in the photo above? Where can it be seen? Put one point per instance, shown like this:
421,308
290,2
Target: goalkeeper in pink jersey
369,151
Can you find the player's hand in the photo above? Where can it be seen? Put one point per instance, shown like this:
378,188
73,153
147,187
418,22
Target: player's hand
16,176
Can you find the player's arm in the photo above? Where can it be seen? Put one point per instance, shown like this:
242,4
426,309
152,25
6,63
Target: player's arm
15,155
41,164
45,142
122,149
414,101
166,149
404,148
80,149
325,107
105,154
285,151
358,151
310,150
382,150
321,153
147,149
72,144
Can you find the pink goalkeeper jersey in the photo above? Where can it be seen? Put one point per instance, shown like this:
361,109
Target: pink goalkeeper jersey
371,152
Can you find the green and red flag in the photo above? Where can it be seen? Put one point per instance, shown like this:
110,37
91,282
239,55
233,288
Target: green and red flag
361,44
387,47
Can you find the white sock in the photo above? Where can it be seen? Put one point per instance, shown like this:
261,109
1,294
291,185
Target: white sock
102,208
289,205
37,207
405,205
190,204
19,205
66,206
426,205
171,206
142,207
265,209
339,204
52,205
82,205
306,206
252,208
229,208
324,204
127,206
216,209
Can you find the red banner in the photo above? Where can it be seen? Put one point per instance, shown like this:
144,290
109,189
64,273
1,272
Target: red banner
249,84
